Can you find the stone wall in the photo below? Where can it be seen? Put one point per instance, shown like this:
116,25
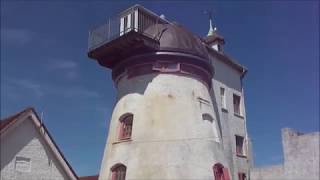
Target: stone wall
301,154
267,173
301,158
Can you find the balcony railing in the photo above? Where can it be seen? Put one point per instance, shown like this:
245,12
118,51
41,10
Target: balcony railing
139,20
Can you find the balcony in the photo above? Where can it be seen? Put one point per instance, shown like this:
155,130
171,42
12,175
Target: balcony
123,34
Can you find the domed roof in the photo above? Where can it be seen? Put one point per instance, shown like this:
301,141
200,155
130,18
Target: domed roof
174,37
214,37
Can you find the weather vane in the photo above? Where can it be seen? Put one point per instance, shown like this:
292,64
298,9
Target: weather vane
209,13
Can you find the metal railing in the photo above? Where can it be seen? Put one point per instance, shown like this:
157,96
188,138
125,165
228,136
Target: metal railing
111,30
104,33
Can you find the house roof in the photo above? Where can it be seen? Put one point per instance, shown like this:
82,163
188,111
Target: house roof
174,37
7,123
212,38
95,177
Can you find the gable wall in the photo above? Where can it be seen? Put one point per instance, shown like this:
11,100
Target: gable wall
25,140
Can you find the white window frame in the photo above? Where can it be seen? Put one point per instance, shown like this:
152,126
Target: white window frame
21,159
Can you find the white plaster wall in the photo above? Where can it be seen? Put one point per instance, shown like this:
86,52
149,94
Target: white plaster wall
169,140
230,79
26,141
275,172
301,154
227,75
301,158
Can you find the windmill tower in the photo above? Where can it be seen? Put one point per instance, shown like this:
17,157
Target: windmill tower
163,124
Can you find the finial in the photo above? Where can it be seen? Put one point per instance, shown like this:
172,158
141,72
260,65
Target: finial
211,29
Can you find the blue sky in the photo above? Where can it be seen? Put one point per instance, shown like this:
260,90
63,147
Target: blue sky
44,65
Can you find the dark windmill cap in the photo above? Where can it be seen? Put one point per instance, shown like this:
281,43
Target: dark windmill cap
175,38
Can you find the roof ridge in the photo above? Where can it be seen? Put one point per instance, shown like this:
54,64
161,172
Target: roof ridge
8,120
5,123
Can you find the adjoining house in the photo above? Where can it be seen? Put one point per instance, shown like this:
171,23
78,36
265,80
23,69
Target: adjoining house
28,151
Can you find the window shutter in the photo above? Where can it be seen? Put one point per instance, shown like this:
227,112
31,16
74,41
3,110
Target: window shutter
225,174
121,130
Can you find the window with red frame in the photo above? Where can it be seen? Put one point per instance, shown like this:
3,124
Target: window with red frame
239,145
242,176
126,127
118,172
220,172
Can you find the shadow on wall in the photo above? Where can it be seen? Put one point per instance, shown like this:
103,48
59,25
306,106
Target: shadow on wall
133,85
216,110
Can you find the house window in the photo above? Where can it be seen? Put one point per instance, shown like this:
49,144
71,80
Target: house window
220,172
23,164
240,145
236,104
242,176
125,126
223,98
166,66
118,172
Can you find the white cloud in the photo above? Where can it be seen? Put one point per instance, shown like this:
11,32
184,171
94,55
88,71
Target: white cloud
18,87
69,68
63,64
30,85
71,92
16,36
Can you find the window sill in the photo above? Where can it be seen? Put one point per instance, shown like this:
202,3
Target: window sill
122,140
238,115
224,110
241,156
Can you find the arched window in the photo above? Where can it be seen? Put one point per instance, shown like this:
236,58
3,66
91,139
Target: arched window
125,129
220,172
207,117
118,172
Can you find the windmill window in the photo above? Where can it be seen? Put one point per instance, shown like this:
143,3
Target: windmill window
125,129
166,66
220,172
118,172
209,118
